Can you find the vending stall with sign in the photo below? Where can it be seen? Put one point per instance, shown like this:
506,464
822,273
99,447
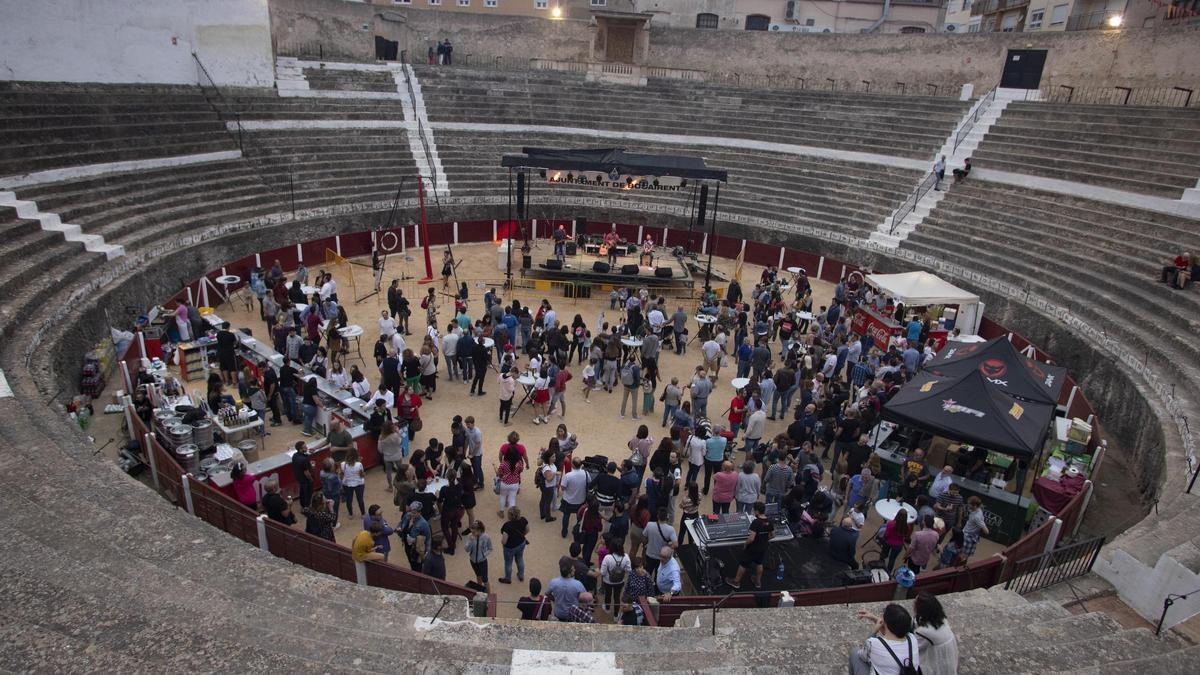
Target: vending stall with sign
945,305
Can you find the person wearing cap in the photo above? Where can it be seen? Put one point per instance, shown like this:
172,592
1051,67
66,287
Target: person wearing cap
415,533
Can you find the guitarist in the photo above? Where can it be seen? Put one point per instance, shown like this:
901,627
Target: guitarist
560,242
610,246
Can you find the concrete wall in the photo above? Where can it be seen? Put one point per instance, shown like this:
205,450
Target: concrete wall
120,41
1084,58
836,15
337,27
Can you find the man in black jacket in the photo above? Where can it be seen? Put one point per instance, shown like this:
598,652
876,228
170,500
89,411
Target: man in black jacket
843,542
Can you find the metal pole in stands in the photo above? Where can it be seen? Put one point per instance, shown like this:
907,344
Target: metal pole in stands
713,237
424,230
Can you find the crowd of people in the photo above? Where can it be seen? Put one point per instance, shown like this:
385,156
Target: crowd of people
623,519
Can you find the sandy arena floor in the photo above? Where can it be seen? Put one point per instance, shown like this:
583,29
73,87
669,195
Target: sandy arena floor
597,423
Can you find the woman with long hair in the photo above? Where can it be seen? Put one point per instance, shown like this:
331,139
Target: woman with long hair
479,547
689,508
353,484
410,365
590,525
319,518
541,395
548,481
936,642
639,450
509,472
428,376
638,518
512,538
449,500
578,333
393,446
895,535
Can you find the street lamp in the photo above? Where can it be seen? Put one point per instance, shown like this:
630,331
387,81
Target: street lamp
556,12
1114,21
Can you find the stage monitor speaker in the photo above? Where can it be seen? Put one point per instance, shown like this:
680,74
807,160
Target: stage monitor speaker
702,206
580,226
664,272
601,267
553,264
527,261
629,269
572,249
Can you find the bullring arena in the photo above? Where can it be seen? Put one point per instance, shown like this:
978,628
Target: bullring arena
248,243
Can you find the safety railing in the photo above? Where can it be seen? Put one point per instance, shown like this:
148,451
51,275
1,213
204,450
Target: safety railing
969,124
910,203
223,512
1168,97
1054,567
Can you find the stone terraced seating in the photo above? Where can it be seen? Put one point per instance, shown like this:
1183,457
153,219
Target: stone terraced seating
264,104
48,126
133,209
349,80
843,196
1152,151
334,167
904,126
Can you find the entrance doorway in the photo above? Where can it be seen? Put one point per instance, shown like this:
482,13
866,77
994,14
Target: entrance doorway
619,46
1023,68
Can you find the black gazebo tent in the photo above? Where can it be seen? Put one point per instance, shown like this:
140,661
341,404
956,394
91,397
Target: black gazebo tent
1002,365
971,409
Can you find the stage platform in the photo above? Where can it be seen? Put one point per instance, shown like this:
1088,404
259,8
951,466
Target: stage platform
806,565
581,268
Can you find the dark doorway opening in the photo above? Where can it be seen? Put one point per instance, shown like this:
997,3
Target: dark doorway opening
1023,68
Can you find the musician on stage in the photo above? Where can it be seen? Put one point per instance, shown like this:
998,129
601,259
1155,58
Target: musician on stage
648,252
560,242
610,244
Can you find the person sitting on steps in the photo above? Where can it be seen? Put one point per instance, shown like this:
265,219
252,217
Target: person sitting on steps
961,174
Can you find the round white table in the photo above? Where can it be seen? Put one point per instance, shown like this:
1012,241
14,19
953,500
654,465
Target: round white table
632,343
804,316
310,290
526,380
435,486
228,279
488,343
353,332
888,508
706,322
705,318
740,383
795,269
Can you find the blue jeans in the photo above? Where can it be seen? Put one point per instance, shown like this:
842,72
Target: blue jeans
310,414
699,407
289,402
776,398
669,413
477,467
567,509
745,507
693,472
510,554
773,497
349,493
733,428
743,368
546,502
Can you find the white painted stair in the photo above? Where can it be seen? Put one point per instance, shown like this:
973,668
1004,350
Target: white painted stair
51,222
885,236
423,146
289,76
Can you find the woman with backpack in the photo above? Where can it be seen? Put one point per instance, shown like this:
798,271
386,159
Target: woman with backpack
614,570
590,525
891,648
546,480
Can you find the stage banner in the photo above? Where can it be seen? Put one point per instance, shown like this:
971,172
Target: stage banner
615,180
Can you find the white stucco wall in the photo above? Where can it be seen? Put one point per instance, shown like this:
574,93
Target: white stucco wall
130,41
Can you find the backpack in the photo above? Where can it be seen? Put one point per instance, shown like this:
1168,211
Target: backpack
539,478
906,666
617,575
425,303
627,375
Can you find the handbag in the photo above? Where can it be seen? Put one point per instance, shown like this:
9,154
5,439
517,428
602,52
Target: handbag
496,484
415,425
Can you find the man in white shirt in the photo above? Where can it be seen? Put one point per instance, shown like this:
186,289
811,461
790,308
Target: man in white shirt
941,483
450,351
656,320
386,394
659,535
573,492
398,344
387,325
667,576
830,365
329,289
549,319
712,356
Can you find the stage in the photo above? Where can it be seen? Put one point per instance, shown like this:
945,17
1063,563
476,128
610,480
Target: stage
806,565
582,267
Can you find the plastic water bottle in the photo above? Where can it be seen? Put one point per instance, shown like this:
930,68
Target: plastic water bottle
779,572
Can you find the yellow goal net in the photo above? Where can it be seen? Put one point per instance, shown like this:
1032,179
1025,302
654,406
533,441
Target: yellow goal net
343,266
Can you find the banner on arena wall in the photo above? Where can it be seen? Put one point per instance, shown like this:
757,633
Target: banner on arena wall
615,181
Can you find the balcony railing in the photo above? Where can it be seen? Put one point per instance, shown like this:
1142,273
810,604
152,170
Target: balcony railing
1093,20
992,6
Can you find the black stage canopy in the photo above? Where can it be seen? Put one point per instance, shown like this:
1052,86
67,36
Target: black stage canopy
614,162
971,409
1002,365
